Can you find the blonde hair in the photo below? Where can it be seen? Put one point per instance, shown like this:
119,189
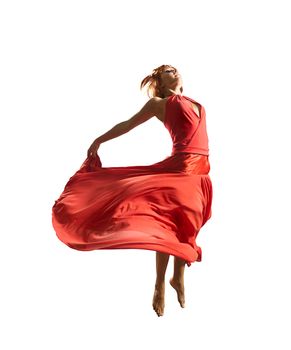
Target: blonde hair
154,82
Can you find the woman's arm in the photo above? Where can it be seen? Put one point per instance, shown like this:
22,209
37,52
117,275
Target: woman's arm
147,111
117,130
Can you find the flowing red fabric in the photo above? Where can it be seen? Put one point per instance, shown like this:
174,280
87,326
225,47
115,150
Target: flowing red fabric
159,207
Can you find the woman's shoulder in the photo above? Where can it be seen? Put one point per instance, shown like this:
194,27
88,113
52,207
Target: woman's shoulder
157,102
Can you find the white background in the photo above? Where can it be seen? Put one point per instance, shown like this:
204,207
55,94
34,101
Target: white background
70,71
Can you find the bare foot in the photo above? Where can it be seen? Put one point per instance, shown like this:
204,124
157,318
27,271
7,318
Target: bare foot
179,287
159,299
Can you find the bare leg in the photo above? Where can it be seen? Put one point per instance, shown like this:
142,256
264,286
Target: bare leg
159,294
177,281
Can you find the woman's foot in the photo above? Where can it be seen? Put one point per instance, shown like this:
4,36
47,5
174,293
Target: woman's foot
159,299
179,287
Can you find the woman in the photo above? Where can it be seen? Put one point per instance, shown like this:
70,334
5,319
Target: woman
158,207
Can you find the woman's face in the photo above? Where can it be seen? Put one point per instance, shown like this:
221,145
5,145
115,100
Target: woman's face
169,76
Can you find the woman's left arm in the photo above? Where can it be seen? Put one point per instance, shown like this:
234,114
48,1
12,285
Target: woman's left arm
148,111
117,130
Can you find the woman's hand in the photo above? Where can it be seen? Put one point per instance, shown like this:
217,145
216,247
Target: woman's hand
92,151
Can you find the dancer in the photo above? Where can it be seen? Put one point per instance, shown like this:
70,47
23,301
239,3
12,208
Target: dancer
159,207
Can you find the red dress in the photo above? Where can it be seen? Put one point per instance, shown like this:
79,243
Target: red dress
158,207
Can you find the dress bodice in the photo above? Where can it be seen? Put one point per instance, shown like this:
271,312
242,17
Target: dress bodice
188,130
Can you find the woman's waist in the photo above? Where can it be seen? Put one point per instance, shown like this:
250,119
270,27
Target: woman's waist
190,149
192,163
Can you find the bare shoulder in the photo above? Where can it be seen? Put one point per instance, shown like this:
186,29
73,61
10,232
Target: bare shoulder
155,102
150,109
158,104
154,106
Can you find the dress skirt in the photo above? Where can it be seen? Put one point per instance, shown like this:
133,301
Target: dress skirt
158,207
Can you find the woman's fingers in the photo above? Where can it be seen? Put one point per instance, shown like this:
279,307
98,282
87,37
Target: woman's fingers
89,152
92,151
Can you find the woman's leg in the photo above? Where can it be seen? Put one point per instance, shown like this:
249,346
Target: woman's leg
159,294
177,281
161,266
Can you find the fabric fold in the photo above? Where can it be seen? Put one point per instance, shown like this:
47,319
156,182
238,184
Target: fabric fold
158,207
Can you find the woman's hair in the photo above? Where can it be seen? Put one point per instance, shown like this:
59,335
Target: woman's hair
154,82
